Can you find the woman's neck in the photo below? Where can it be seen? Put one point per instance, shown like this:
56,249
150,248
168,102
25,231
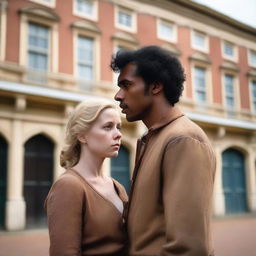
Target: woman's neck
89,164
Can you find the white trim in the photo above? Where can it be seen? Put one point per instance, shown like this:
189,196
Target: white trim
251,95
93,16
250,51
52,3
205,48
131,12
222,121
172,25
232,58
45,92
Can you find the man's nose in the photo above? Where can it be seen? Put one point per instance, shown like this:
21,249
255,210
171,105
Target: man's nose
119,95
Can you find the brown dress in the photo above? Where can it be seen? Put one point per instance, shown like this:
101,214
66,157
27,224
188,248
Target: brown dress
81,221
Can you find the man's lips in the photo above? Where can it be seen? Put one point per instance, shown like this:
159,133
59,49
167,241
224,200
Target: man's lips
123,107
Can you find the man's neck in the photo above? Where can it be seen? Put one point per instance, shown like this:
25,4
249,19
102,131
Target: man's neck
161,114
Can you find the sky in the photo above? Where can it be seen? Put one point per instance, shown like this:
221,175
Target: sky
241,10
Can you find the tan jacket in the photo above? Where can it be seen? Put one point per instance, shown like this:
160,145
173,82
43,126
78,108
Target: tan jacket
170,201
81,221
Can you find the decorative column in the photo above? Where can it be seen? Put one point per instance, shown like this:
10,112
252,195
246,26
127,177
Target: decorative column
219,199
15,205
251,181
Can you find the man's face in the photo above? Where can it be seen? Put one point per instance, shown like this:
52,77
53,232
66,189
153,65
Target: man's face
134,101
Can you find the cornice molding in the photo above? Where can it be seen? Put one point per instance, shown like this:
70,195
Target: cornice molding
40,11
86,25
199,56
230,66
123,36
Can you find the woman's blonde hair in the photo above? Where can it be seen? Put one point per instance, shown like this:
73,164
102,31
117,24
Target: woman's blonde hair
80,121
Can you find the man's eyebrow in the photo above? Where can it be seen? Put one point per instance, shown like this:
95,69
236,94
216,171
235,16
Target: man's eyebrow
123,82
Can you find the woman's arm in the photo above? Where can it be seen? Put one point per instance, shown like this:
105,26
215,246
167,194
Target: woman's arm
64,206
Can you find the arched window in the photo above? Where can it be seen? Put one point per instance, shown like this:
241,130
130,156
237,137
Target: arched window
38,178
120,168
234,185
3,179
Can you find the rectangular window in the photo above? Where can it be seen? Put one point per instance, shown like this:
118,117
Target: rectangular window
252,58
229,51
253,86
229,91
166,30
200,84
85,58
199,41
38,47
124,18
84,7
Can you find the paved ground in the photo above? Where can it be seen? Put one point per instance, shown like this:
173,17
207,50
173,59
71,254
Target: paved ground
232,237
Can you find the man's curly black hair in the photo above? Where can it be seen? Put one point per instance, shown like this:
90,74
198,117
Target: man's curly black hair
154,65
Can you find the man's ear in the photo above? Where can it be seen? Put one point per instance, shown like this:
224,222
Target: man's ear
81,138
156,88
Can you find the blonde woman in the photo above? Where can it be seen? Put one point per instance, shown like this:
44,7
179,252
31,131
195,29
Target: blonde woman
84,207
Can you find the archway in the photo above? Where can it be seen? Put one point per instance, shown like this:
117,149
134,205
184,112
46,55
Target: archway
234,184
3,179
38,178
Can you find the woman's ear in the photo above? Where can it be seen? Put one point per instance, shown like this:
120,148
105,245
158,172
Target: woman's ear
81,138
156,88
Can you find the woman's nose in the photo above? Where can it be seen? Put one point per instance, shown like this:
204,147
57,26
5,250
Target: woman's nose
118,133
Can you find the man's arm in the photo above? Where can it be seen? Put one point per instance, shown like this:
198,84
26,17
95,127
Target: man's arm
188,175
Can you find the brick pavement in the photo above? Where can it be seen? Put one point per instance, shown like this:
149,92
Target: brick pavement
231,236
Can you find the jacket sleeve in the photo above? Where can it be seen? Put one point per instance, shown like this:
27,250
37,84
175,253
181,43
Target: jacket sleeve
188,175
64,206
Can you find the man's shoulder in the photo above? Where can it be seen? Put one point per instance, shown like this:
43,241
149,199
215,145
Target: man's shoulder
184,127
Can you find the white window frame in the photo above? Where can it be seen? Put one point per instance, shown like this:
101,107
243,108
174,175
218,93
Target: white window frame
51,4
131,12
228,57
250,52
208,82
96,57
251,95
173,38
3,26
47,52
205,48
195,86
93,16
236,92
93,60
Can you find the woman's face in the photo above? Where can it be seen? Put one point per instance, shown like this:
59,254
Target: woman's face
104,137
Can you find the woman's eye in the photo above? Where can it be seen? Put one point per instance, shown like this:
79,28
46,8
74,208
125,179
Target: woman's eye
107,127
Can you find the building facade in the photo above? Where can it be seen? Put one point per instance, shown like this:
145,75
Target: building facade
55,53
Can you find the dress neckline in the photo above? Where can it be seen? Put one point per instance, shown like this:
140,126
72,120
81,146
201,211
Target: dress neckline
100,194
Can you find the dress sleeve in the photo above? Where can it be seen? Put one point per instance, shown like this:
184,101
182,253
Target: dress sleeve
64,206
188,175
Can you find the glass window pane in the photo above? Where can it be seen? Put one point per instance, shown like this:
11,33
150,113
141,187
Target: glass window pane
199,40
229,49
85,53
125,19
200,83
165,30
253,58
85,6
229,91
38,47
